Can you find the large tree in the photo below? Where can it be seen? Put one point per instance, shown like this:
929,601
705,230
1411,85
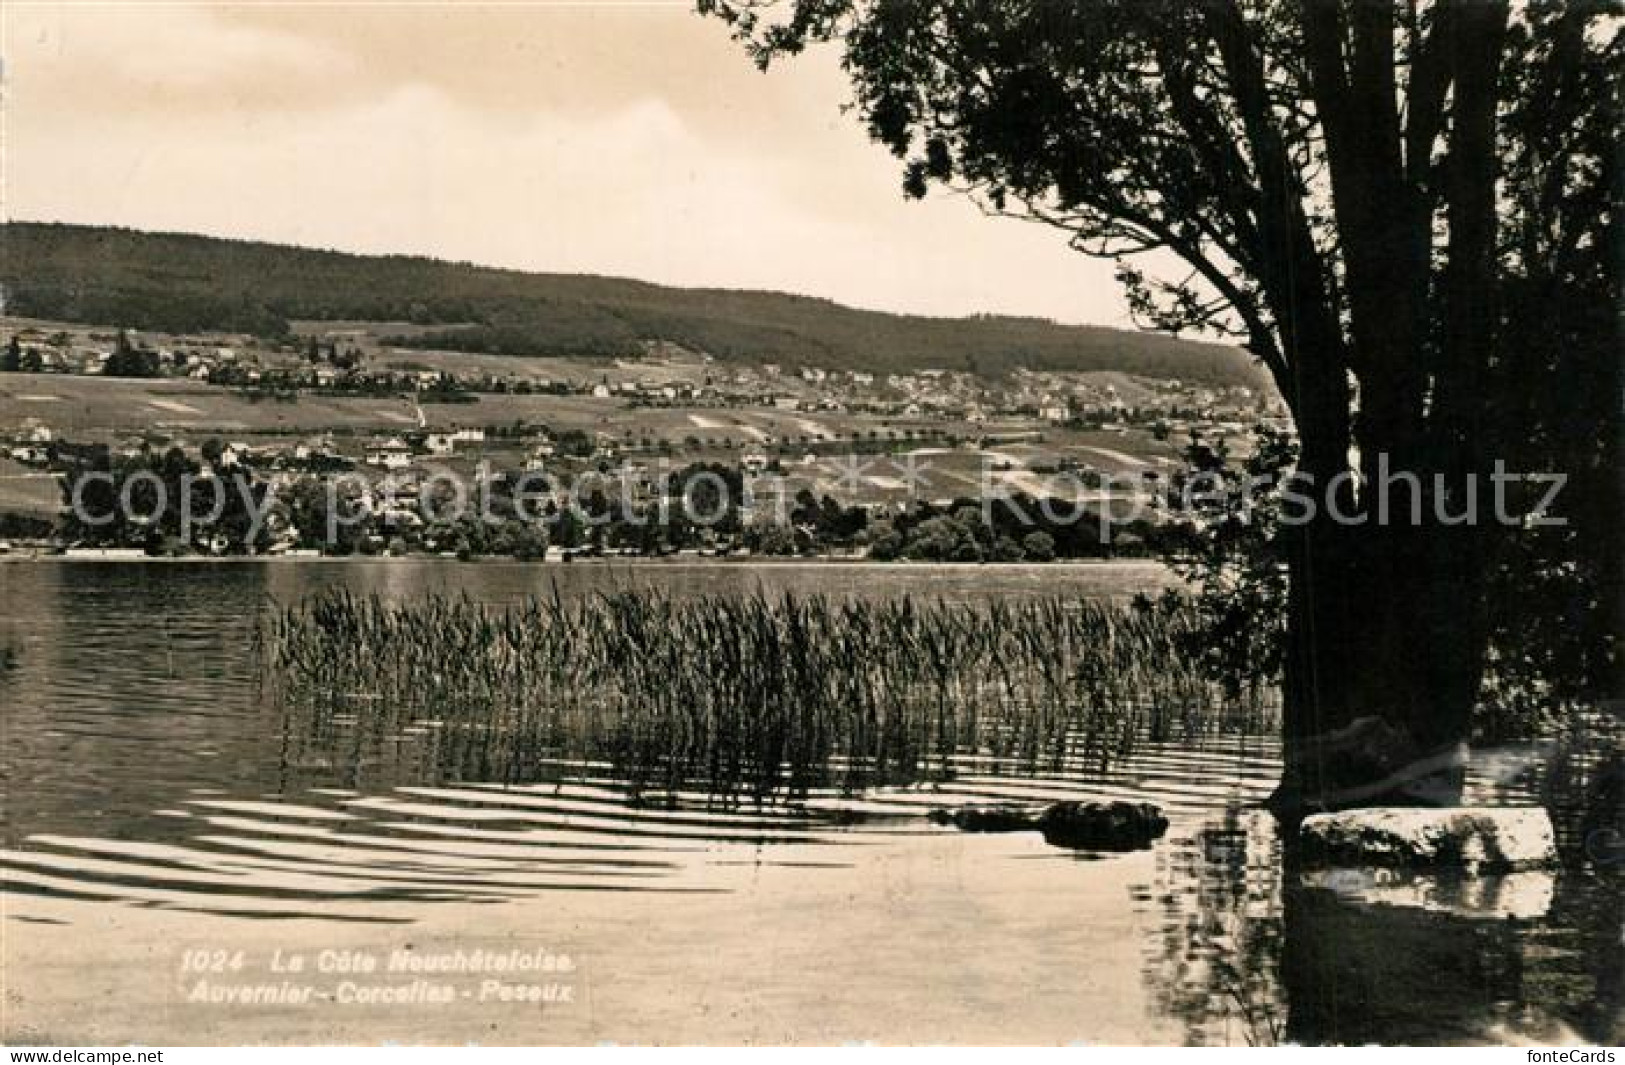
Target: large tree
1406,211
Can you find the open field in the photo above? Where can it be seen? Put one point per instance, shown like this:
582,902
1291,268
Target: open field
85,406
537,368
77,406
835,454
27,491
82,406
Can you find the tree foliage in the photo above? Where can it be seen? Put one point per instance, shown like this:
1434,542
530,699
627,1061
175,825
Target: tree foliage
1408,212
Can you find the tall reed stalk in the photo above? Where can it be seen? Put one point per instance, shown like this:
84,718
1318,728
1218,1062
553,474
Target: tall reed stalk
747,698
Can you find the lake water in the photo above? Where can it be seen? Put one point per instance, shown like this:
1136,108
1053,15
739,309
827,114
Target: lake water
161,858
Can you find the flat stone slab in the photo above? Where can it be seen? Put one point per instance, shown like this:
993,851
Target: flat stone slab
1484,839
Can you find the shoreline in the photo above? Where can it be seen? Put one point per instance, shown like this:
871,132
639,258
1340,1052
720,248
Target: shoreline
764,562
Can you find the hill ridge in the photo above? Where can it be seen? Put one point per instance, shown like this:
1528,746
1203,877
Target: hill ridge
187,282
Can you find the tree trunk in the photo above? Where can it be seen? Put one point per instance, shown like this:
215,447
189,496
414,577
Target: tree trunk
1384,662
1385,625
1385,631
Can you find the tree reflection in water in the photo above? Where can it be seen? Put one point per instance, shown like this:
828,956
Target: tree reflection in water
1255,950
1218,899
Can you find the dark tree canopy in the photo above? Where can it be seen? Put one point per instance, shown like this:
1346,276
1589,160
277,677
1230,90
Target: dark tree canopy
1323,172
1408,211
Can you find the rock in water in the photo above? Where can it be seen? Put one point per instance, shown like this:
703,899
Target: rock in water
1102,826
1369,762
988,818
1105,826
1473,838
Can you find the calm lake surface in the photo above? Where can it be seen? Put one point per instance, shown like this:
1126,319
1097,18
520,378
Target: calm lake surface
153,827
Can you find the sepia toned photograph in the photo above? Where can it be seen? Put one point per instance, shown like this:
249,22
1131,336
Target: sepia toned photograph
1087,523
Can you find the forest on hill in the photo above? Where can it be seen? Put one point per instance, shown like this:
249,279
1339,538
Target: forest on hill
182,283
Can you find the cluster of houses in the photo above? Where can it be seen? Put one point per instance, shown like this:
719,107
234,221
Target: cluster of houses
398,452
29,444
89,353
1056,398
663,380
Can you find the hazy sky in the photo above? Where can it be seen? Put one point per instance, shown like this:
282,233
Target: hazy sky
631,140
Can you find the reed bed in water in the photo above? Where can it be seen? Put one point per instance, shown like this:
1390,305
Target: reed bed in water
741,698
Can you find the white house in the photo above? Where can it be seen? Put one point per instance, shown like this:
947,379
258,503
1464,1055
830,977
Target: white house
392,454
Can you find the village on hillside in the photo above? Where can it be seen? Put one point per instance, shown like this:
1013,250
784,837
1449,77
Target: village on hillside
816,461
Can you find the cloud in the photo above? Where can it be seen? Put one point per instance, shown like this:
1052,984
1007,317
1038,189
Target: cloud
610,153
145,59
